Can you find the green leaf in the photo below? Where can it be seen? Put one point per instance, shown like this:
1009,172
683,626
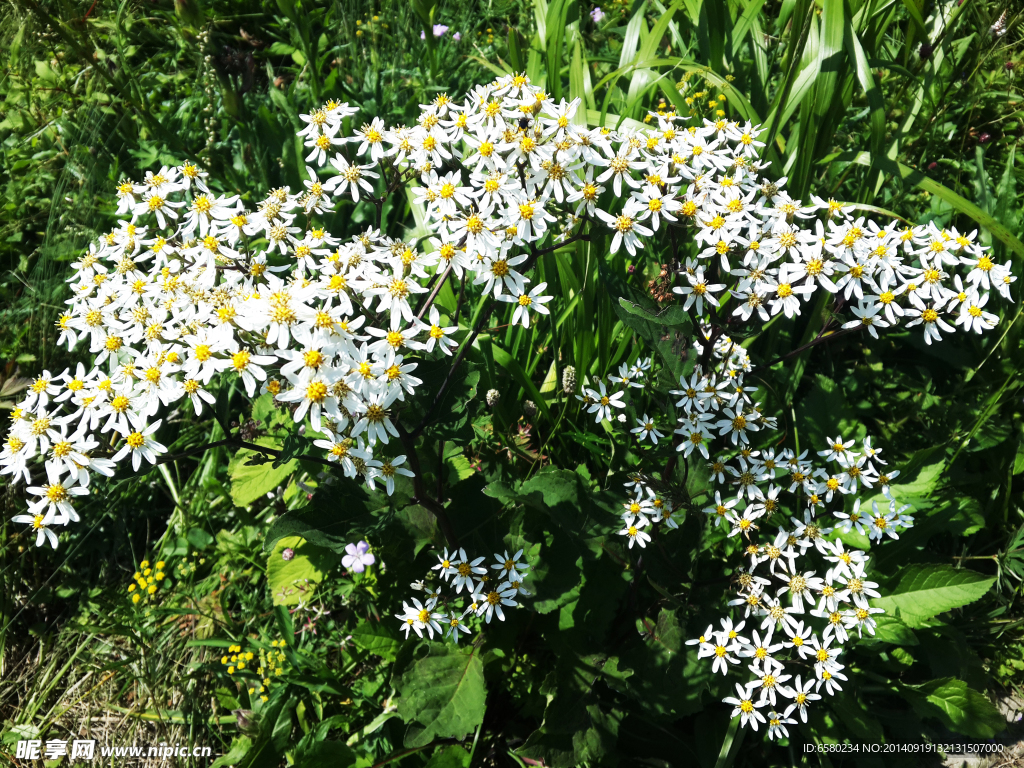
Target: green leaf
857,718
239,749
866,78
378,638
312,752
459,468
576,729
925,591
293,581
915,15
631,38
959,707
251,481
325,521
667,331
443,694
823,411
450,419
670,316
659,664
452,756
891,630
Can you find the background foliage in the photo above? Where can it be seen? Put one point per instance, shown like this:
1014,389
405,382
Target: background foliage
912,107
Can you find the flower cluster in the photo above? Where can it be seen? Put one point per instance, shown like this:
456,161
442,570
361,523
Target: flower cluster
146,581
487,592
192,286
803,588
269,664
188,567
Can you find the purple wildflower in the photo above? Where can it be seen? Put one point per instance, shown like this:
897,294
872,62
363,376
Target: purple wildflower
358,557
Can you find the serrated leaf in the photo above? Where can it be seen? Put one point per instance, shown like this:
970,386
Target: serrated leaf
459,469
925,591
668,332
958,706
443,694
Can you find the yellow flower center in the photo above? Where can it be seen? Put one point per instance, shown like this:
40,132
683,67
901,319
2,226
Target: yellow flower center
56,493
316,392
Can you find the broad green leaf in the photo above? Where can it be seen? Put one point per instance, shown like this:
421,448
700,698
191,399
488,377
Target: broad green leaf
450,418
459,468
959,707
659,664
377,637
314,751
292,581
925,591
857,717
442,694
576,728
557,492
251,481
823,411
325,521
452,756
672,342
889,629
671,316
240,746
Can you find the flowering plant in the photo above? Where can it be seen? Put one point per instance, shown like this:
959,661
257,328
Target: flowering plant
193,289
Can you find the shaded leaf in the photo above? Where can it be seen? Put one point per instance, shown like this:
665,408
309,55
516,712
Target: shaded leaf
442,694
959,707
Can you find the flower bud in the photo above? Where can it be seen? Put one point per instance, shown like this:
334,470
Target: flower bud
529,409
493,396
569,379
288,554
